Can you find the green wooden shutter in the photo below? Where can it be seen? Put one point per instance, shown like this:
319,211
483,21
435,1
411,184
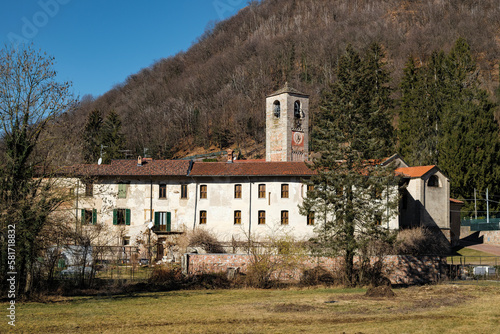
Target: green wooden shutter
157,220
94,216
115,216
122,190
169,225
83,217
127,216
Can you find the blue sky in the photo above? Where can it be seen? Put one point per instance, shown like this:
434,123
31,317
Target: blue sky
98,44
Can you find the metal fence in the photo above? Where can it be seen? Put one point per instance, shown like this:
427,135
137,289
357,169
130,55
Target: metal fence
474,267
482,224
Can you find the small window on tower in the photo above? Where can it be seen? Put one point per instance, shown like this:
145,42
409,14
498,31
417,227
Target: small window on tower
277,109
433,181
296,109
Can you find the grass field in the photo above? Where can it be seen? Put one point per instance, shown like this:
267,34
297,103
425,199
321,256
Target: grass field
427,309
472,256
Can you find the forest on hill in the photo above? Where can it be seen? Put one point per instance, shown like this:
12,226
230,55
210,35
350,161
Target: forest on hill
212,95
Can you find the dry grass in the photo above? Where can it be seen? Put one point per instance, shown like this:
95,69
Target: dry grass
472,256
427,309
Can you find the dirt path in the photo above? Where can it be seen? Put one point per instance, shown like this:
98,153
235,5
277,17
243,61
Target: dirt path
492,249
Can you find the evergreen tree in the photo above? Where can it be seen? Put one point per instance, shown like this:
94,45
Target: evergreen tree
92,137
113,139
447,119
350,141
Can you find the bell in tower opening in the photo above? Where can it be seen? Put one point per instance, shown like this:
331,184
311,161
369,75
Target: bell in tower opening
287,125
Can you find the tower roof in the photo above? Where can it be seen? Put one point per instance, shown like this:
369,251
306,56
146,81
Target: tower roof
287,89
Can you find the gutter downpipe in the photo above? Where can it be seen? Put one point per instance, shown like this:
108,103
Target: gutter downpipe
249,215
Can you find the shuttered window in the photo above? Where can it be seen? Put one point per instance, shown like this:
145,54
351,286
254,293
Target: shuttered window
122,190
237,191
184,191
284,191
284,217
310,218
121,217
163,191
89,216
262,191
203,217
203,191
163,221
237,217
262,217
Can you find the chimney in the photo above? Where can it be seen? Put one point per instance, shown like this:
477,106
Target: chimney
139,161
229,156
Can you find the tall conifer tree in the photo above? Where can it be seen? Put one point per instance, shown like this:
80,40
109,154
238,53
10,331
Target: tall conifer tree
92,137
353,132
112,137
447,119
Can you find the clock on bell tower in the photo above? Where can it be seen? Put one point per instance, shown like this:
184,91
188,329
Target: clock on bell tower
287,125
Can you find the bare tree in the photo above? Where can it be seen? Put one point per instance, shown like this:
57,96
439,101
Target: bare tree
30,99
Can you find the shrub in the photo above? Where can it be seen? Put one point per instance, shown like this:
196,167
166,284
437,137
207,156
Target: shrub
317,276
421,241
167,276
206,240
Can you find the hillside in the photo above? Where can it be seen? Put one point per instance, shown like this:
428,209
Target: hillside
212,96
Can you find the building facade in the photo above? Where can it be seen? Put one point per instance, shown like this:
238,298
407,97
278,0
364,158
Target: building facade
235,200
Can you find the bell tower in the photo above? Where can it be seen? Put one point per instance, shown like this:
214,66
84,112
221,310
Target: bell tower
287,125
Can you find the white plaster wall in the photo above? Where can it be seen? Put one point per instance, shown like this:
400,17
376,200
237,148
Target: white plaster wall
221,204
139,201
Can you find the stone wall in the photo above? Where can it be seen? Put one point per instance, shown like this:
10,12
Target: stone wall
400,269
485,237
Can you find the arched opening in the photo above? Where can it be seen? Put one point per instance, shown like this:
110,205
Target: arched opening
433,181
277,109
296,109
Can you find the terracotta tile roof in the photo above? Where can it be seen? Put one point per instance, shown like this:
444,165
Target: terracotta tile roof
250,169
130,168
413,172
456,201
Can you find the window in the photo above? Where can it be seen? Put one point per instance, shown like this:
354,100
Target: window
284,191
184,191
310,218
310,188
126,241
203,191
433,181
237,191
163,191
262,217
237,217
378,219
203,217
122,190
162,221
89,189
262,191
89,216
121,217
276,109
284,217
377,192
296,109
71,192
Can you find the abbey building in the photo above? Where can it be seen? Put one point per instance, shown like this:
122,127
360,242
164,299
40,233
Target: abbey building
234,199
